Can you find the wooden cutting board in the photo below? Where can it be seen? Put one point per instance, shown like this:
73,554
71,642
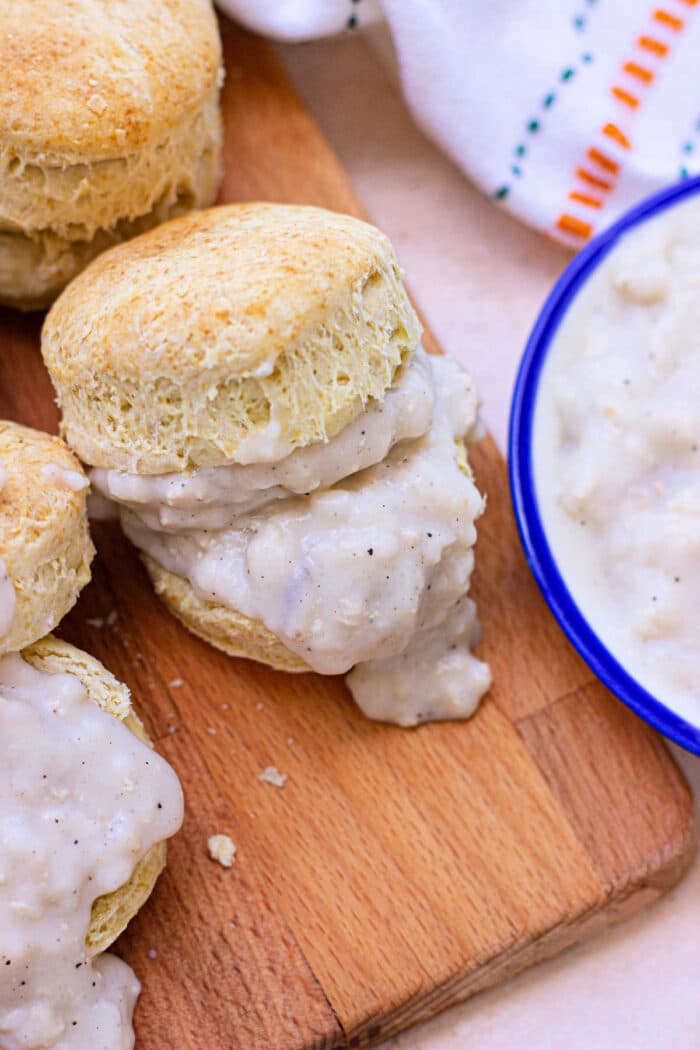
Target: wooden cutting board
397,871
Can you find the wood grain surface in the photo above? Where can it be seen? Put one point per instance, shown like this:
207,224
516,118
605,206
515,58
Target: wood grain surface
397,871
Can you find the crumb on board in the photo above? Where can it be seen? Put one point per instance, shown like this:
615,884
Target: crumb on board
152,953
112,618
175,683
211,731
95,621
260,706
271,775
222,849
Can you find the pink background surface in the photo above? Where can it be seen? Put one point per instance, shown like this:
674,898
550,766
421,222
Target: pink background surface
480,278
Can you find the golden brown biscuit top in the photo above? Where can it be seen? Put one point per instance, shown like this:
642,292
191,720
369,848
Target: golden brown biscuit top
227,289
89,79
38,506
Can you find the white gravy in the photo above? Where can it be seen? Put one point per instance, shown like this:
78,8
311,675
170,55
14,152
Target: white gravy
213,497
8,597
364,570
617,454
81,802
437,676
8,601
63,478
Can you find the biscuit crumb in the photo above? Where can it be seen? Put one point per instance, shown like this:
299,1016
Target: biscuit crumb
222,849
95,621
175,683
270,775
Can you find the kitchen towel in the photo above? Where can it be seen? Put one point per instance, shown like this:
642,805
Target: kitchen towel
563,111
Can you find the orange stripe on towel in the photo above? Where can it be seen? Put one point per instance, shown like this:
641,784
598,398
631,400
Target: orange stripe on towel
626,96
640,72
667,19
593,180
584,198
650,43
614,133
604,162
570,224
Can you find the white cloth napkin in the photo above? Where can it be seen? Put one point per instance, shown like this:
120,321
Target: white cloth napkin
563,111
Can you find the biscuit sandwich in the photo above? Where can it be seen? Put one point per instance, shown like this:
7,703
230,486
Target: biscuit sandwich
109,125
249,386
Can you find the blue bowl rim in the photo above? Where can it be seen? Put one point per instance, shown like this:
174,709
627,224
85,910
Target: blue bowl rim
532,533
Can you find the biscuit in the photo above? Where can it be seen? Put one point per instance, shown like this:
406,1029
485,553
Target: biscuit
111,913
45,543
223,330
109,125
224,628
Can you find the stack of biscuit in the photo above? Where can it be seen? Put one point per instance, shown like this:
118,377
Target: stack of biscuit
179,351
249,385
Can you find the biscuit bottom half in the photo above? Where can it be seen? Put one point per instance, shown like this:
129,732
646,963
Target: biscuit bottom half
224,628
